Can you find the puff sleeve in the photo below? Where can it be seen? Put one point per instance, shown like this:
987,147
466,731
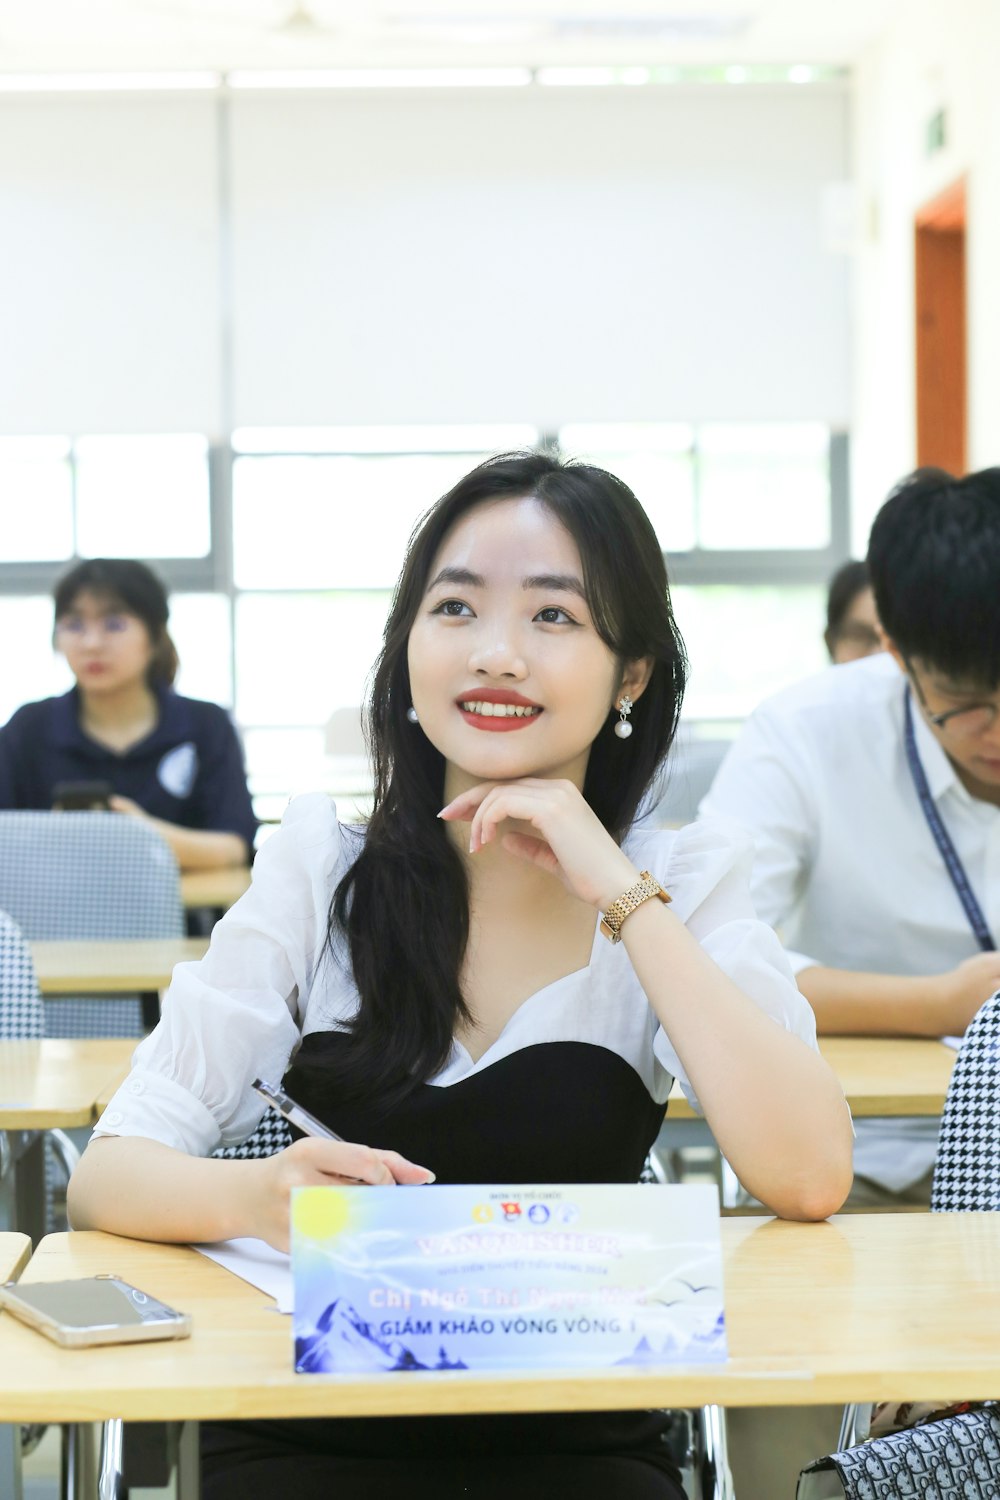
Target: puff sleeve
706,869
237,1013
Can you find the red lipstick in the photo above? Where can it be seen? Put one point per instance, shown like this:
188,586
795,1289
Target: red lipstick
497,698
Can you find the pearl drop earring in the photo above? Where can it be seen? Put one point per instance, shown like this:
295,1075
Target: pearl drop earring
411,714
623,728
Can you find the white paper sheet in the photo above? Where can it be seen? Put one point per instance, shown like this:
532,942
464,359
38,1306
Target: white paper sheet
256,1262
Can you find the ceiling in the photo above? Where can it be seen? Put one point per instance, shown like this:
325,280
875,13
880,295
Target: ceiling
159,35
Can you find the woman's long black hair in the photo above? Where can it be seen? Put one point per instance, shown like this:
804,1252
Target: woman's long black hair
403,906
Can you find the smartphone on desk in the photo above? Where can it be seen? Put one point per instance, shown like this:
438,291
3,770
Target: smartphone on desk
93,1310
81,796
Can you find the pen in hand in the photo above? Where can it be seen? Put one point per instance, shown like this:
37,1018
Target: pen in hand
294,1113
304,1121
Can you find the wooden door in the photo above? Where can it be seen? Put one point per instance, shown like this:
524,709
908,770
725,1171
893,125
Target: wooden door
941,333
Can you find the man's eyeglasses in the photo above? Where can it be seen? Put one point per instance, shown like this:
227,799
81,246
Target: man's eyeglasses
957,723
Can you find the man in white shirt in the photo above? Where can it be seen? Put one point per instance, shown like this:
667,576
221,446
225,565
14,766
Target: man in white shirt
848,866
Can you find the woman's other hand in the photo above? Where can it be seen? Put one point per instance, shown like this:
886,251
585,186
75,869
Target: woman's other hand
316,1163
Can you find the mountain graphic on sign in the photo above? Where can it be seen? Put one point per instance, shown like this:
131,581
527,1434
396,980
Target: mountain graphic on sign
344,1341
708,1345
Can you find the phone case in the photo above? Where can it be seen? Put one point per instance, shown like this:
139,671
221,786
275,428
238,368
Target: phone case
75,1337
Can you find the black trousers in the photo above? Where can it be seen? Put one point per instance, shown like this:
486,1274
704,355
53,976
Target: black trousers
591,1455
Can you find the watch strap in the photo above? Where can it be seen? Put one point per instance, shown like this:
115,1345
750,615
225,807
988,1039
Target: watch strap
645,888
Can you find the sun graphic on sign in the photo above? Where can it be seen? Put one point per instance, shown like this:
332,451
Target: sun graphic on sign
320,1213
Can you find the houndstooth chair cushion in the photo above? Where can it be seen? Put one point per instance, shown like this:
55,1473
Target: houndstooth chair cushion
967,1169
22,1018
271,1135
88,875
21,1013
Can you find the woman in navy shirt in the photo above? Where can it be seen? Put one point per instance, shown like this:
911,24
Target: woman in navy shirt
176,761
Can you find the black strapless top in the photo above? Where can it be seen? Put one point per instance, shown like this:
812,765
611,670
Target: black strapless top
552,1112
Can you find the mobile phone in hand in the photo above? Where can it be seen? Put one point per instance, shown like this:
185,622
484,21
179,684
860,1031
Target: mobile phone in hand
93,1310
81,796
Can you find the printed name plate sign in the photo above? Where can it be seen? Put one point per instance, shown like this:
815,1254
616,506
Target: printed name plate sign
487,1277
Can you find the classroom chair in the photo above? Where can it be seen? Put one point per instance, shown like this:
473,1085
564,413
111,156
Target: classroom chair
22,1018
89,875
967,1167
690,771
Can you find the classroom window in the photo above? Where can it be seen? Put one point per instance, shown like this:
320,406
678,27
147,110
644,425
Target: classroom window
33,670
36,492
345,519
765,485
285,624
746,641
656,461
732,486
143,496
200,629
300,656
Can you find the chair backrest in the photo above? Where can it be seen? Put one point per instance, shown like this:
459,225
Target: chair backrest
967,1169
690,771
88,875
21,1013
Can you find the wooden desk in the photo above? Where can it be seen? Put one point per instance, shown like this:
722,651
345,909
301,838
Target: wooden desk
50,1084
111,965
15,1252
865,1307
215,888
57,1082
883,1076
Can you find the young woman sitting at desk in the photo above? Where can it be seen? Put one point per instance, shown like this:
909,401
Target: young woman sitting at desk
441,981
176,761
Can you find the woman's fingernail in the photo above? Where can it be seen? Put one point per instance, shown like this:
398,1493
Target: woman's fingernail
429,1179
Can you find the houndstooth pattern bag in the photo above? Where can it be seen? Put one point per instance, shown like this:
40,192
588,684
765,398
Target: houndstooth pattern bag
956,1459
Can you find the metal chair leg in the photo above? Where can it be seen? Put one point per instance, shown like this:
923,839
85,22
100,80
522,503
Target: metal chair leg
188,1462
717,1481
110,1483
854,1424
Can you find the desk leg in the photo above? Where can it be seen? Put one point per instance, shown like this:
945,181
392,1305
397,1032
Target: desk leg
78,1462
29,1183
10,1460
188,1463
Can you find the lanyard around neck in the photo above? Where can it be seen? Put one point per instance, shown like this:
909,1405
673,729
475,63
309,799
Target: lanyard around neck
947,850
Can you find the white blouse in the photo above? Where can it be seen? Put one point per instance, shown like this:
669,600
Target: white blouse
269,979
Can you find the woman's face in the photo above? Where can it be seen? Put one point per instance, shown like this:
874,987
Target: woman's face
857,634
508,675
107,649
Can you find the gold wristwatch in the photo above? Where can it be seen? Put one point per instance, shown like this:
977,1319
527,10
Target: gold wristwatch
644,889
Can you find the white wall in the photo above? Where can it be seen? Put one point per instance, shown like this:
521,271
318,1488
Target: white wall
538,255
109,305
935,57
545,256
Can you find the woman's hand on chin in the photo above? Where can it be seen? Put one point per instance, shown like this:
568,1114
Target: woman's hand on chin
567,838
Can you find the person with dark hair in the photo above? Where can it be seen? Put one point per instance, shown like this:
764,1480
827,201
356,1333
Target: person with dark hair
440,986
852,629
873,794
176,761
